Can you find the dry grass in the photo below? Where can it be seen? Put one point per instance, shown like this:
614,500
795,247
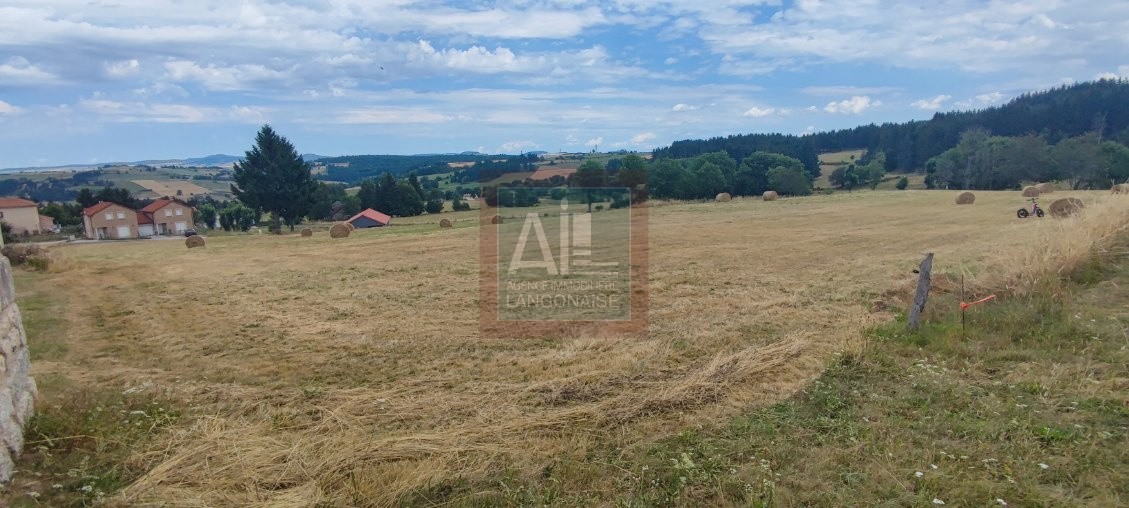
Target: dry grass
170,187
353,373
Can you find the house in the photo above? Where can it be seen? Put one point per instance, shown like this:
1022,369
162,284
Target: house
47,224
164,217
21,214
369,218
105,220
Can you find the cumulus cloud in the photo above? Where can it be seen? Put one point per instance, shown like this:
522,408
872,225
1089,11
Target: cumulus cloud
221,78
19,71
855,105
594,142
133,112
642,138
123,68
511,147
683,107
982,101
755,112
931,104
7,109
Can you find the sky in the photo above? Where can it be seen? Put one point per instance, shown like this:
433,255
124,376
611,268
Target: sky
98,81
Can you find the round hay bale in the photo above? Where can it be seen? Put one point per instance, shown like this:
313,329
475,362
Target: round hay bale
770,196
351,226
724,197
445,223
307,232
497,219
966,198
1030,191
1065,207
340,230
1045,188
194,241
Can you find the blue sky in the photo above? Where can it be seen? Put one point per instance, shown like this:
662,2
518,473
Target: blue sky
100,81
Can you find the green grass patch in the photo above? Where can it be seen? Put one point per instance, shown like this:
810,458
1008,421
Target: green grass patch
77,449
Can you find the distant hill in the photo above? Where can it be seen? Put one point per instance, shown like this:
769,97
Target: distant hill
354,168
1059,113
212,160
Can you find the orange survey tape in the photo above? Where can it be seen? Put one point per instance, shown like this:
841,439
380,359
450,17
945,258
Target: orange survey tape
977,302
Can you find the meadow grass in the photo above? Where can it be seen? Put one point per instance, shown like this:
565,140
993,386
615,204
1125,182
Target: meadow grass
351,372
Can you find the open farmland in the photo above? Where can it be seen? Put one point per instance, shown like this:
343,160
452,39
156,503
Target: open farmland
172,188
351,372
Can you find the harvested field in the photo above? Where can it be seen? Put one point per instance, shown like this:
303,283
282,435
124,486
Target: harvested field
169,188
318,372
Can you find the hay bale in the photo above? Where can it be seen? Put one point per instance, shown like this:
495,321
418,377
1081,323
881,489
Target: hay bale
724,197
340,230
1065,207
497,219
445,223
966,198
351,226
770,196
194,241
1045,188
1030,191
307,232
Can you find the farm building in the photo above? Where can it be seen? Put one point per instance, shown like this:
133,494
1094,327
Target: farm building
369,218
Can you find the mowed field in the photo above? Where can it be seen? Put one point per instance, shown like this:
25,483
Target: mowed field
352,371
170,188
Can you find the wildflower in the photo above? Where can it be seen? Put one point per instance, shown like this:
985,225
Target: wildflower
87,488
918,474
934,466
938,501
57,486
1044,466
33,494
1001,501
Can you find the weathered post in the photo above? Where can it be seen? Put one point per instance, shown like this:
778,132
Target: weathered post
923,284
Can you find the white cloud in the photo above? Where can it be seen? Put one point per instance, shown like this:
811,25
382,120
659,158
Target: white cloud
8,109
131,112
981,101
670,60
931,104
594,142
683,107
220,78
755,112
642,138
809,130
123,68
513,147
19,71
855,105
847,90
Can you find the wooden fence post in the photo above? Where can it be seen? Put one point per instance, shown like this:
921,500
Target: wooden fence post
923,284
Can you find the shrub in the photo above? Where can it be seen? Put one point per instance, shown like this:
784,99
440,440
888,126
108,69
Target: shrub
903,182
29,255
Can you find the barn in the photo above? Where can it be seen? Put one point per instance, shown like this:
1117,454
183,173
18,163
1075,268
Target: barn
369,218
